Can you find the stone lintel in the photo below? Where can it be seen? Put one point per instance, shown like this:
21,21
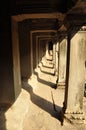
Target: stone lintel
22,17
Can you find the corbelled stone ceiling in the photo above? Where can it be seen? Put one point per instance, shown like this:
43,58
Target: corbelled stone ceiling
41,6
66,10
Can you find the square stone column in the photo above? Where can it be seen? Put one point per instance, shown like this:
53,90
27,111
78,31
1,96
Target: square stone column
75,79
34,56
57,56
54,55
10,80
36,52
62,62
25,50
47,50
16,59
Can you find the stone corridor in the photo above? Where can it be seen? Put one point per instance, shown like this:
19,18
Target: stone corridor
43,65
42,104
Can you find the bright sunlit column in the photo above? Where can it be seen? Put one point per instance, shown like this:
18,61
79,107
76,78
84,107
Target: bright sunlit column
57,55
47,54
76,55
62,62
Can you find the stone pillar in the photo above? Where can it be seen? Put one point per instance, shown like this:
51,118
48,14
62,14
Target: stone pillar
75,80
62,62
57,55
31,48
10,83
37,52
54,58
25,50
47,50
16,59
34,51
40,51
43,48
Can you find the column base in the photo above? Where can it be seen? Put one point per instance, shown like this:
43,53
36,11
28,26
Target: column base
75,118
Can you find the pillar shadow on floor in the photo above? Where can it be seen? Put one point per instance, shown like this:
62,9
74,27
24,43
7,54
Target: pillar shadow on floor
46,72
54,110
50,67
48,83
49,59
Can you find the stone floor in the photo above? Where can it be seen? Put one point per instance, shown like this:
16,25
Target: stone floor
39,105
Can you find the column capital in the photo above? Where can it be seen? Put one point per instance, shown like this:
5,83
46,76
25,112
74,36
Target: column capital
62,33
76,15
